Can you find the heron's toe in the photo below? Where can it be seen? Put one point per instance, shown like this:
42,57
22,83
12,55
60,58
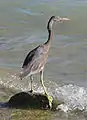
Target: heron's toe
31,91
50,99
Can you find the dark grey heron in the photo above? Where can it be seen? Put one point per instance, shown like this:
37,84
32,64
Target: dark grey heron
36,59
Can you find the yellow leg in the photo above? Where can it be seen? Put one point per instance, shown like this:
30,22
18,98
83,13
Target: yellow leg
49,97
31,78
41,80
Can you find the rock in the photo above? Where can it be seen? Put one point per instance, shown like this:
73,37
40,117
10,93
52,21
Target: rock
29,100
25,100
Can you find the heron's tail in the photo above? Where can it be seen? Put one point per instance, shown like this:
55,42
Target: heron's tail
23,73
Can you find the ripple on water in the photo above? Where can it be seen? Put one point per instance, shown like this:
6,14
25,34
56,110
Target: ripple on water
27,11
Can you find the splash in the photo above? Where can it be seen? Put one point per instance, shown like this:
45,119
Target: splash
74,97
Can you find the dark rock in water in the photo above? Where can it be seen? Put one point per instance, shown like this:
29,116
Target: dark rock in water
29,100
26,100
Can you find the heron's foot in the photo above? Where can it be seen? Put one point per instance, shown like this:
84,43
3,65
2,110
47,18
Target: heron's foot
50,99
31,91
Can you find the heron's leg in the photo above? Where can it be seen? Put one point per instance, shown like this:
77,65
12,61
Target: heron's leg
31,78
50,99
41,80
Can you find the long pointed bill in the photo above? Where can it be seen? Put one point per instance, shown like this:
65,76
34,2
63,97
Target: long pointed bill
64,19
59,19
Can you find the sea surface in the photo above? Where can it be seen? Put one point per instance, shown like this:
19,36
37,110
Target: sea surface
23,27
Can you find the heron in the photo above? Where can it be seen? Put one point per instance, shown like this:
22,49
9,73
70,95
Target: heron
36,59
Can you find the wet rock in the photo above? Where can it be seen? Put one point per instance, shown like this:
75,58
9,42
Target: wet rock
26,100
29,100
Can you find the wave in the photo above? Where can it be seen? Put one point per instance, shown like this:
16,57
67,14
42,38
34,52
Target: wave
73,96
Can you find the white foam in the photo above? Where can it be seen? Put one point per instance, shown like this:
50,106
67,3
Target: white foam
74,97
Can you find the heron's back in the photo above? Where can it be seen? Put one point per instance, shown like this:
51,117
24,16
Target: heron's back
35,60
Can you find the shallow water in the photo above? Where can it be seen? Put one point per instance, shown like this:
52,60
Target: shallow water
23,27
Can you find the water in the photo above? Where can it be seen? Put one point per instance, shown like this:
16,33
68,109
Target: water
23,27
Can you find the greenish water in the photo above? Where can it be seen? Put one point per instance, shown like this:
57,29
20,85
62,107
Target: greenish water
23,27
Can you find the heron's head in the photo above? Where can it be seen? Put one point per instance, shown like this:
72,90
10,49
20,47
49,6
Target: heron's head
54,19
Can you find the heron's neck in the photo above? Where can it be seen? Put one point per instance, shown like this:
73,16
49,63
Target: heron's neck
49,37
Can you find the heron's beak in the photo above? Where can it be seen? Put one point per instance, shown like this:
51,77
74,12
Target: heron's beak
59,19
64,19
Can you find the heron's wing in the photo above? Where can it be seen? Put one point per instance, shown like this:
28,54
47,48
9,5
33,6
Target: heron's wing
32,55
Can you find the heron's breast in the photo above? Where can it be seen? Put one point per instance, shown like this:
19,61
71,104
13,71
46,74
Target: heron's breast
39,62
